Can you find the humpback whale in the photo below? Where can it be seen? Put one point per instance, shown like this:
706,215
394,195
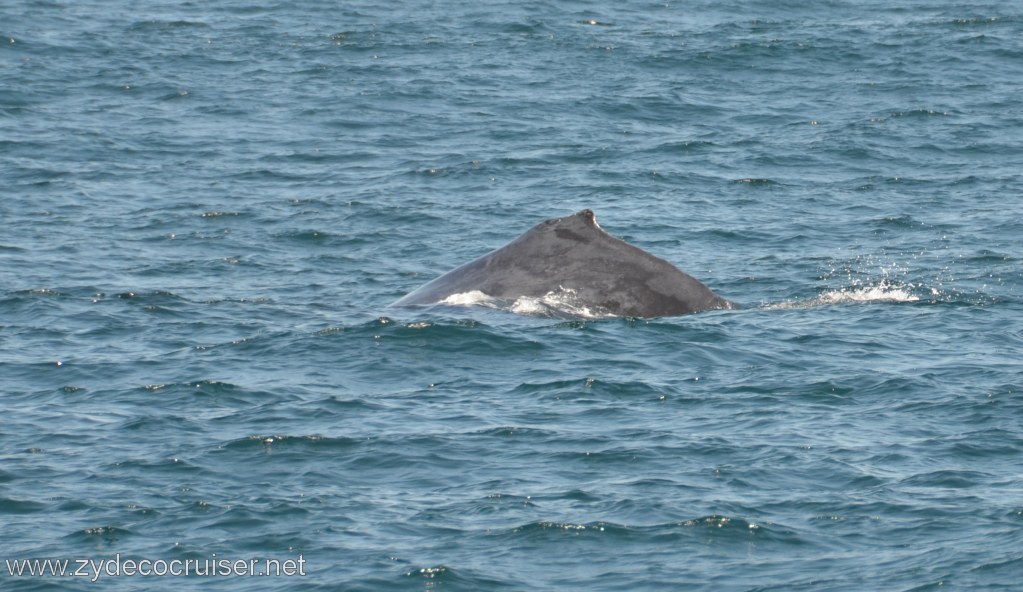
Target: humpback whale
573,259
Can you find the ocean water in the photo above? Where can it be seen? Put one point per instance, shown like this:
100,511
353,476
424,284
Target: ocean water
207,208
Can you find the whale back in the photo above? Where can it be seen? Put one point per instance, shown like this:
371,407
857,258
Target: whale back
574,255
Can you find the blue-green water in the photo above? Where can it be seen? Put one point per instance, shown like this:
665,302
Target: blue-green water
208,206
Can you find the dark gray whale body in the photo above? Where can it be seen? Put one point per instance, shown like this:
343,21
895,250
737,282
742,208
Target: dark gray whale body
574,256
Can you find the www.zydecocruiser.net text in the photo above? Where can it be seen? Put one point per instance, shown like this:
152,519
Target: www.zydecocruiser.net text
117,566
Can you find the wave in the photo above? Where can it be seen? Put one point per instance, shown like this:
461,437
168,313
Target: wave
440,577
311,442
716,525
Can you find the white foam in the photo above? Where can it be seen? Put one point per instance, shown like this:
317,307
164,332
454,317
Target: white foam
471,298
882,292
562,302
528,306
